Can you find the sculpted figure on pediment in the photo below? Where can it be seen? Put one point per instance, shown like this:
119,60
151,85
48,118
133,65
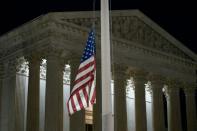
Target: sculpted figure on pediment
140,33
116,28
124,24
147,33
155,40
164,45
132,35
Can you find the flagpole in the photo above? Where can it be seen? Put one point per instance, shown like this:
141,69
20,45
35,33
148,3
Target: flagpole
107,119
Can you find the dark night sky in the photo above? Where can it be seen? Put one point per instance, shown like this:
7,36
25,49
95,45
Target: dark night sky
176,16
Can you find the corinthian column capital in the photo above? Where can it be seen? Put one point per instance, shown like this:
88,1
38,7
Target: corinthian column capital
53,51
156,79
120,71
74,59
55,54
172,87
33,57
189,88
11,66
139,75
1,71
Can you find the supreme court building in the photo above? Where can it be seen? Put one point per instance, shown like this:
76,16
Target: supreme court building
38,62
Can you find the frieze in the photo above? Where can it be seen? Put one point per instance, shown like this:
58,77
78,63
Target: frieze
133,29
23,33
128,45
169,60
25,44
153,53
85,22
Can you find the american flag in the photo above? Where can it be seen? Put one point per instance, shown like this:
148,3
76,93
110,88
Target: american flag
84,91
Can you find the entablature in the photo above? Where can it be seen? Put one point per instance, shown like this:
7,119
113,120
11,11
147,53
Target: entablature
48,32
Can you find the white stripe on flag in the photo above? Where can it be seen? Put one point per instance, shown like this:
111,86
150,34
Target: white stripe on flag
83,98
92,89
87,90
84,72
86,62
70,107
81,83
76,103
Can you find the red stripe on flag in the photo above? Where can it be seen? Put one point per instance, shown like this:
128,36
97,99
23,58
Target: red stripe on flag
68,106
73,104
83,77
79,100
85,67
85,94
82,86
92,101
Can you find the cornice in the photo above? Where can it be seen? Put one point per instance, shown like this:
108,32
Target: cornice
142,27
24,31
129,44
70,34
134,19
142,30
80,31
156,80
24,38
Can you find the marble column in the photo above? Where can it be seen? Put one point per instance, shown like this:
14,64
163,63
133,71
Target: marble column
97,108
33,94
120,107
173,105
157,84
191,107
77,120
8,114
139,78
54,93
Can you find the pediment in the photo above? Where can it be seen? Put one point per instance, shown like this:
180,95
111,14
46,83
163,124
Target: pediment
132,25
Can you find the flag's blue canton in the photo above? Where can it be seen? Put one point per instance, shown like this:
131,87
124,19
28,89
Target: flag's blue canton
90,47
